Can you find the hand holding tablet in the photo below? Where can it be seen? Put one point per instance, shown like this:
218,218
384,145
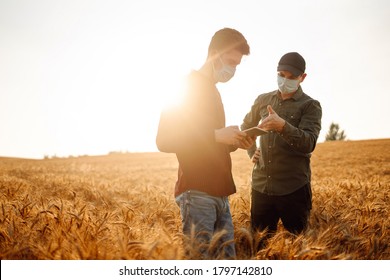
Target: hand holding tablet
255,131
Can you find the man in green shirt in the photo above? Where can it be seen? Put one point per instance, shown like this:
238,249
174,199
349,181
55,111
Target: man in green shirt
281,176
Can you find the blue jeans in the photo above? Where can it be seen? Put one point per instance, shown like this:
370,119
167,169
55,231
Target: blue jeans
203,216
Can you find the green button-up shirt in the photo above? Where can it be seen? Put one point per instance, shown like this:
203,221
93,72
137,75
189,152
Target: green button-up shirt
284,165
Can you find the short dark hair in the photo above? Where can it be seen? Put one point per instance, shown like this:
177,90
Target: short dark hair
227,39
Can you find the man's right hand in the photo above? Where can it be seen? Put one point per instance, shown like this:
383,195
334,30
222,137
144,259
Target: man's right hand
230,135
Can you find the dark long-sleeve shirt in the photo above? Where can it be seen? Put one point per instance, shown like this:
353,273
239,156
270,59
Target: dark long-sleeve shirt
188,131
284,164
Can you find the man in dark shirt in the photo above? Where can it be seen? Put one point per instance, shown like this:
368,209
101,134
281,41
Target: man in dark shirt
281,176
195,131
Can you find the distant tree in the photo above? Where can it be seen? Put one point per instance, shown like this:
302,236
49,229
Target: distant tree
334,133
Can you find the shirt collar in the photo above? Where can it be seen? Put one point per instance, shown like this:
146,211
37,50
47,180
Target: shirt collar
296,96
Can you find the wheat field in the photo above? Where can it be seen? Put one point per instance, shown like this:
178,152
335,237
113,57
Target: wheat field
121,206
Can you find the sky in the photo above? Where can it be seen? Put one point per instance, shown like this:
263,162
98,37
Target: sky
89,77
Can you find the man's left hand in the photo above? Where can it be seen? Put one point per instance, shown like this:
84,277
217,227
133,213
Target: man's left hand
246,142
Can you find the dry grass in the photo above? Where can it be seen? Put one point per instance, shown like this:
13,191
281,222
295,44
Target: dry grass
122,207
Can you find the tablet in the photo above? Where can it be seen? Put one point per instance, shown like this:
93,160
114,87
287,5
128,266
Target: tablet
255,131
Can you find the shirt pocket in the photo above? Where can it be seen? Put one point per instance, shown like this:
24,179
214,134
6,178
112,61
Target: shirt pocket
292,117
263,115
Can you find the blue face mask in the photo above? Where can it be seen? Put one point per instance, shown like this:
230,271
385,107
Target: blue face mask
286,85
225,73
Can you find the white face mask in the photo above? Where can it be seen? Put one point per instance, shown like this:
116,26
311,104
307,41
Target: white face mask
286,85
225,73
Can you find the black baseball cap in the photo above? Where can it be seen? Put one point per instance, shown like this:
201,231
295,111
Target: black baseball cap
292,62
